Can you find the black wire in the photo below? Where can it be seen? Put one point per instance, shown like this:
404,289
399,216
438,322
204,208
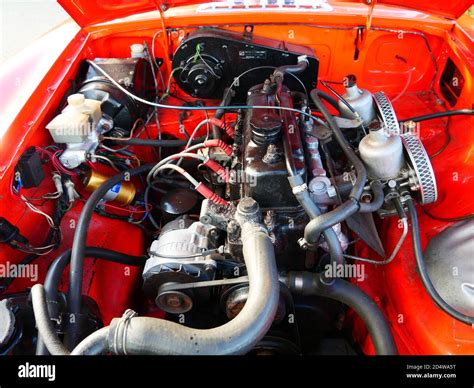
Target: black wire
331,170
346,103
437,115
326,97
332,82
342,99
104,213
447,140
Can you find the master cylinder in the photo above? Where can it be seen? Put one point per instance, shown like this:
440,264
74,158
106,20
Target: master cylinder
78,126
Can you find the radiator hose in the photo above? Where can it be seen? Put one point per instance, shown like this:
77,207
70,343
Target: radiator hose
143,335
78,250
53,278
312,284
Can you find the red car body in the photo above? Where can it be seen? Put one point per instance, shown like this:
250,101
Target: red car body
403,51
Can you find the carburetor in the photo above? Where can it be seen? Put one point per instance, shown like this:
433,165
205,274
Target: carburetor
397,158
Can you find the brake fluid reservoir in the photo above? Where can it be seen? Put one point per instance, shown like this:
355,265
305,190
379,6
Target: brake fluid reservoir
79,104
73,125
382,154
361,101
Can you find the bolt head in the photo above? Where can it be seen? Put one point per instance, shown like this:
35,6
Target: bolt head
248,205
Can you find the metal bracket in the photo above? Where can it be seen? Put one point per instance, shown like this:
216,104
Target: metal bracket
348,123
248,31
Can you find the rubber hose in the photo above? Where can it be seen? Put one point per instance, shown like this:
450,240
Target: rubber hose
329,99
80,238
93,345
57,267
216,132
361,173
44,324
313,211
377,201
317,225
145,335
311,284
423,273
293,69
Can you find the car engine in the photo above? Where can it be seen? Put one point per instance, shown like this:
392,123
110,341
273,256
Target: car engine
254,208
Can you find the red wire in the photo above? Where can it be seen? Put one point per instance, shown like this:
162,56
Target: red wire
59,166
131,210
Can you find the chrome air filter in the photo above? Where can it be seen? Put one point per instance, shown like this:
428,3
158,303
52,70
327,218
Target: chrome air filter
422,177
386,113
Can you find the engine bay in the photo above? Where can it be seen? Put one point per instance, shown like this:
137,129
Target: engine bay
228,197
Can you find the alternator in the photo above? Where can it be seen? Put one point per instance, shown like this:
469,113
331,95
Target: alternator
179,255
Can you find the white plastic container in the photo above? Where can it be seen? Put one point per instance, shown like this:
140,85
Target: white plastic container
137,50
77,120
79,104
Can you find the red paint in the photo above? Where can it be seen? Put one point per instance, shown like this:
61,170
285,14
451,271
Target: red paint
87,13
450,9
419,326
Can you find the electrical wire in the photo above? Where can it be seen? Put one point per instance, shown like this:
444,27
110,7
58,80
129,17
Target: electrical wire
166,93
198,55
58,165
38,211
146,196
205,252
134,127
346,103
144,128
342,99
407,84
154,58
178,107
236,79
101,157
447,140
157,121
154,171
192,136
180,170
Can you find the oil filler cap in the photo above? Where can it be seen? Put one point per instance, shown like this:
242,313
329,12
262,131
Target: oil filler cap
266,128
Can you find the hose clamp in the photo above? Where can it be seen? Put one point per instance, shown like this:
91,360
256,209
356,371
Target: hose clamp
300,188
120,332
